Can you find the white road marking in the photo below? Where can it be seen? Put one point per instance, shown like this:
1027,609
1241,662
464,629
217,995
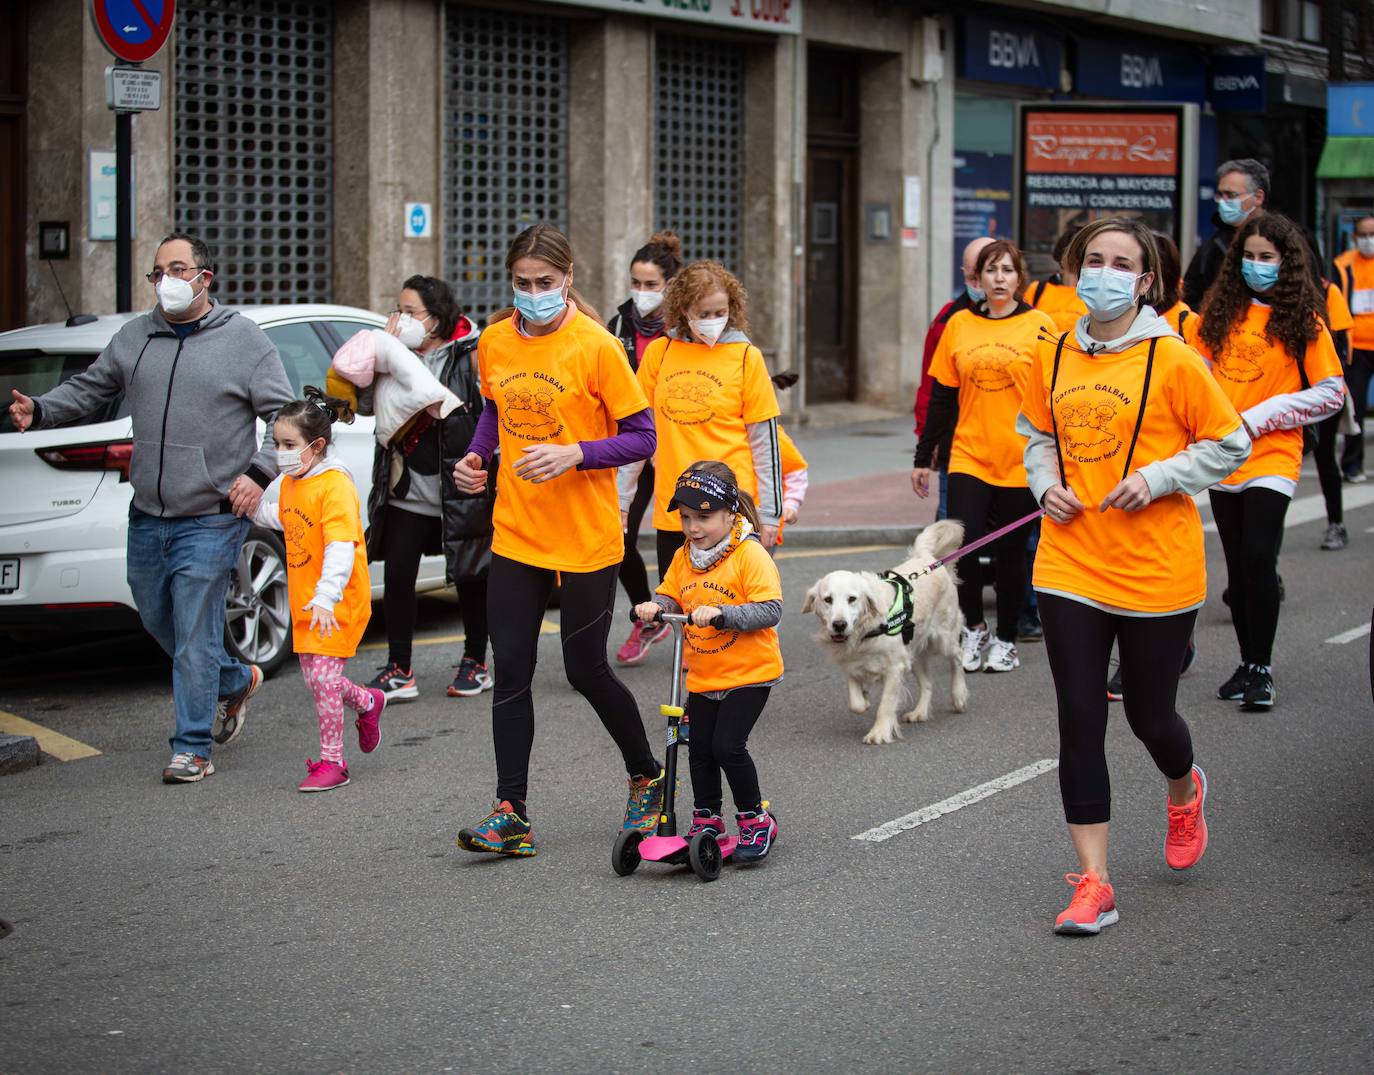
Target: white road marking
957,802
1352,635
1309,509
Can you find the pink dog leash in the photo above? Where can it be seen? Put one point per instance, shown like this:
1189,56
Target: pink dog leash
974,546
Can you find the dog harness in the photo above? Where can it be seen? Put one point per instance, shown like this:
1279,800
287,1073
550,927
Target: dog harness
899,616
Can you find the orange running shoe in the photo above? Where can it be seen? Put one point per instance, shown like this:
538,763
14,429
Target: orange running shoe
1092,907
1187,836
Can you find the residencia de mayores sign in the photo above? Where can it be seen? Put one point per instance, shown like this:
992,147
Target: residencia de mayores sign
770,16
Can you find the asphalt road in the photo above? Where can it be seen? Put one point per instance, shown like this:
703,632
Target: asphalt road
237,926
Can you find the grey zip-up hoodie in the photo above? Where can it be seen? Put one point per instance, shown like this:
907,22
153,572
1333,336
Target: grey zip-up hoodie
193,402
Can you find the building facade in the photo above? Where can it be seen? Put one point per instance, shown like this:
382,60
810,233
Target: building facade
835,154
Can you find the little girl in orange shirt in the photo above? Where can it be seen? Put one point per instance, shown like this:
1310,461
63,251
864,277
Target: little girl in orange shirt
727,583
315,506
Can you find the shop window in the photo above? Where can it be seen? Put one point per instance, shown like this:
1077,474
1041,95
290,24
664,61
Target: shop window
1310,26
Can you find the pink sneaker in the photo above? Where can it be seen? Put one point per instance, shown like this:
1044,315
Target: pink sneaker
369,722
642,636
323,776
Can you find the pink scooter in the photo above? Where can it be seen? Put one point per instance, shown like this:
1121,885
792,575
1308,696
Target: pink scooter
704,852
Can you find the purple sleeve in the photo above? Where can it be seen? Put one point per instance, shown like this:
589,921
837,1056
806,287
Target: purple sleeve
634,440
488,434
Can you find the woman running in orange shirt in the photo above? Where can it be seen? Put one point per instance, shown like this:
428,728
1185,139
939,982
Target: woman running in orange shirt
561,402
981,367
1124,425
1263,332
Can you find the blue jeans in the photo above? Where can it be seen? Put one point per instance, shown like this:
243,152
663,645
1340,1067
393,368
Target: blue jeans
942,512
1032,544
178,570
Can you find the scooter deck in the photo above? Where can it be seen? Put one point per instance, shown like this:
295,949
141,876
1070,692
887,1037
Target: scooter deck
673,849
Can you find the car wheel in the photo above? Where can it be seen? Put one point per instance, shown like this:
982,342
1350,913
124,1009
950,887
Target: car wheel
257,613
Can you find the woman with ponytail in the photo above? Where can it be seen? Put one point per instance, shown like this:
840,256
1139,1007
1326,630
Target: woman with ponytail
564,407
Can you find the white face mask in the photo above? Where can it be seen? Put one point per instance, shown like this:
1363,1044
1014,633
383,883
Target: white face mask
176,295
289,460
1365,245
646,302
410,331
709,329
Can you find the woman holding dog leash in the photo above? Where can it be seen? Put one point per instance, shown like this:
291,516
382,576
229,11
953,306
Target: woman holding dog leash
1125,425
561,401
981,368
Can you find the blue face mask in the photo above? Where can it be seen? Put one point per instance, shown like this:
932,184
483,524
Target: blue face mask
1260,275
975,294
1107,293
540,307
1230,210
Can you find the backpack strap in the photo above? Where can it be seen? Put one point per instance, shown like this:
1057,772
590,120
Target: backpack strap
1039,290
1054,422
1140,418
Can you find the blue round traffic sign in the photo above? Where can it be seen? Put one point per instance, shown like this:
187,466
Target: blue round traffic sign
417,220
133,30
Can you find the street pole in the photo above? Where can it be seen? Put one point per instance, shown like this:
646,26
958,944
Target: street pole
124,214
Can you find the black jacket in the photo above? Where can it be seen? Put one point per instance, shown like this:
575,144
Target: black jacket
622,327
1206,264
466,532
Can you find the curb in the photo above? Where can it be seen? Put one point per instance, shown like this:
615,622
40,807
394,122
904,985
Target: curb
826,537
17,753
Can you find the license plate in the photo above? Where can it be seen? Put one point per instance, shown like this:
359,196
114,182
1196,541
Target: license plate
9,574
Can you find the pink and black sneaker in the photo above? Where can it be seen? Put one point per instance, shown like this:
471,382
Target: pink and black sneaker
757,831
706,821
369,722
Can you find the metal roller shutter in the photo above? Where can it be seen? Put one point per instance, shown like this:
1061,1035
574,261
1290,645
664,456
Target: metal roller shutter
255,144
698,152
506,145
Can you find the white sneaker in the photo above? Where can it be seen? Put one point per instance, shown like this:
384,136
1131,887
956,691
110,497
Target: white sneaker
1001,657
974,640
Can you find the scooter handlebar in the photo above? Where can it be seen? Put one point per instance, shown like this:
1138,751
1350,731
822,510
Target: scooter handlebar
662,617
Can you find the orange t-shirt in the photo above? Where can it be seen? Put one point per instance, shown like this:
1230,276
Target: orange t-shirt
1355,277
1148,561
719,660
1179,315
1250,369
1338,310
792,461
703,397
1060,301
988,360
315,511
569,386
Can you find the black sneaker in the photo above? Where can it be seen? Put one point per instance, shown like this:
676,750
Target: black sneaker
472,679
395,682
1028,628
1259,693
1233,690
1114,691
1335,538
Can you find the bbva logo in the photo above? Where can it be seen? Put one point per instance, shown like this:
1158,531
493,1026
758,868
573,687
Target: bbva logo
1235,83
1013,51
1141,72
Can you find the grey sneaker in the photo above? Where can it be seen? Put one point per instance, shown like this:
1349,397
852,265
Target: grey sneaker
1335,538
230,712
187,769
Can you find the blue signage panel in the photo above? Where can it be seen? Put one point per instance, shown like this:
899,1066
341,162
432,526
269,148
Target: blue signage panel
1000,50
1236,83
1139,70
1350,109
982,202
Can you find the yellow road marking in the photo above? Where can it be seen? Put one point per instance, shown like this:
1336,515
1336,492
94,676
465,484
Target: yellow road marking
548,627
50,742
799,554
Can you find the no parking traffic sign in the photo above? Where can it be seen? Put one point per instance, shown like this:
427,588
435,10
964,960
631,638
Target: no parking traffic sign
133,30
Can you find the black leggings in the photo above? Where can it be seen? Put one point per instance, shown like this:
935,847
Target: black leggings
1328,470
1250,524
668,542
403,543
983,507
517,598
1078,642
1357,377
634,576
719,740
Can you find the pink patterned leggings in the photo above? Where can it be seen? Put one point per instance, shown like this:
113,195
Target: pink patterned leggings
332,690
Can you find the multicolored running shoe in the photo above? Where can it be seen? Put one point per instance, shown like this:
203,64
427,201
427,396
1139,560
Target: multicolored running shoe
502,832
645,803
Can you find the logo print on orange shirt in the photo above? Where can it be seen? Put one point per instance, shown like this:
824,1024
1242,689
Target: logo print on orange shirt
687,401
1084,430
1240,362
294,527
988,368
708,639
528,412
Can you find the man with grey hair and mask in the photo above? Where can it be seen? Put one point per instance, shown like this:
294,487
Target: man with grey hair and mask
1242,191
196,375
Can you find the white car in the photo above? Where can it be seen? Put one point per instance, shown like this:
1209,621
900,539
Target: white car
65,493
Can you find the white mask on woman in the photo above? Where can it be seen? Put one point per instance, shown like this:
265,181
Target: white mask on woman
709,329
646,302
410,331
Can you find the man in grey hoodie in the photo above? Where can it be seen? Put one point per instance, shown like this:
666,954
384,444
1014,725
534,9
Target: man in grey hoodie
195,374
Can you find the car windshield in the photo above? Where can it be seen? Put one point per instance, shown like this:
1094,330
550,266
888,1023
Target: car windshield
36,372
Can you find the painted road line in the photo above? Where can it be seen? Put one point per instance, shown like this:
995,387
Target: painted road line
802,554
1352,635
548,627
957,802
58,745
1309,509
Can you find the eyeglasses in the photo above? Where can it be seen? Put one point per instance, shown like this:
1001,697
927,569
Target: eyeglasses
179,271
